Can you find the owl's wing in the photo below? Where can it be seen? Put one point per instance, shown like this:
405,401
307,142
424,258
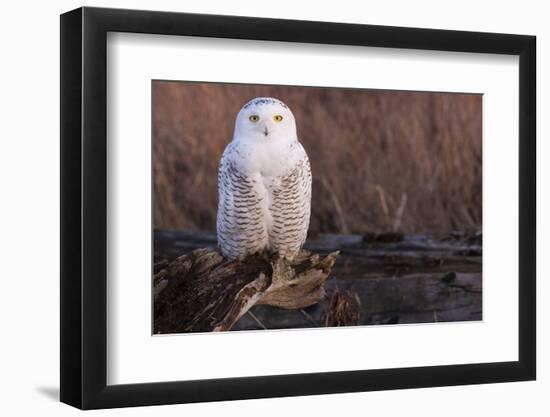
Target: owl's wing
291,208
241,227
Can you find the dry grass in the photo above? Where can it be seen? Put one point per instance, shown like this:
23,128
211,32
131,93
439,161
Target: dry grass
381,160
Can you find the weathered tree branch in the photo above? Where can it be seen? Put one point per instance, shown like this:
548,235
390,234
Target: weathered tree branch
378,278
201,291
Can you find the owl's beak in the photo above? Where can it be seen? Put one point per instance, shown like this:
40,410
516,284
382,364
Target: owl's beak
266,132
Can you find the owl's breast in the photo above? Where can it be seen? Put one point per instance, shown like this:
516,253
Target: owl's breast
270,182
270,160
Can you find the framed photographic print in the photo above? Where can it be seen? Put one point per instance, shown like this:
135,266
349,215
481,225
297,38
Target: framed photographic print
256,208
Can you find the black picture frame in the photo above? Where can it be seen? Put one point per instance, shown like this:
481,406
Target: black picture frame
84,207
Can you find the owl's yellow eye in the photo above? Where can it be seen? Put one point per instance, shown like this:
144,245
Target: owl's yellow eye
278,118
254,118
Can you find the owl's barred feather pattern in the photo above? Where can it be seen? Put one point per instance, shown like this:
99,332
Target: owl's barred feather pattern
290,209
240,223
264,185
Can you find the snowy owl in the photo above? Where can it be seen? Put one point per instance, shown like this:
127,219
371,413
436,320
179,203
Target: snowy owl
264,184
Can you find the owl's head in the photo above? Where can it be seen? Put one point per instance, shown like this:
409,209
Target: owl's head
265,120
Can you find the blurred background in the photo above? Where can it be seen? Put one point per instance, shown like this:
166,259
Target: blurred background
381,160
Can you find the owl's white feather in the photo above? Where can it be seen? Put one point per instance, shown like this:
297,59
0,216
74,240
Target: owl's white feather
264,184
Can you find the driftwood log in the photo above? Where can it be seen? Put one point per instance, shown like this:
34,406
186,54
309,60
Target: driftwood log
202,291
378,278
